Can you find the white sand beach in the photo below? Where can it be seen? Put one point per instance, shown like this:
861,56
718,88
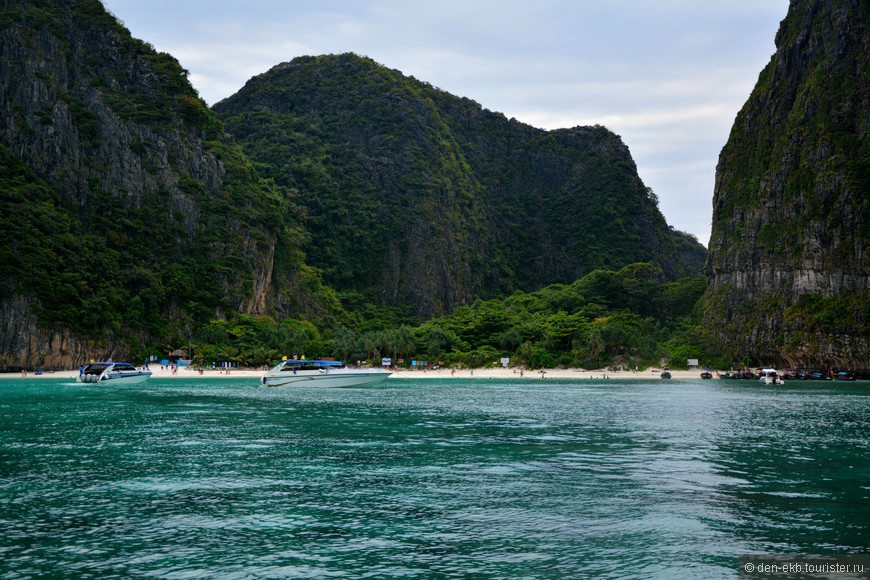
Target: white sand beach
443,373
515,373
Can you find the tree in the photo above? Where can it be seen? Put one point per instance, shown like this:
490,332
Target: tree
344,343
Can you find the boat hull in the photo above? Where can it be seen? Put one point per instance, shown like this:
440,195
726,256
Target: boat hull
332,379
116,378
770,377
322,373
112,373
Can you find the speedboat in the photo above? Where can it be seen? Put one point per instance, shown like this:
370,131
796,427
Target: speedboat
770,377
322,373
114,373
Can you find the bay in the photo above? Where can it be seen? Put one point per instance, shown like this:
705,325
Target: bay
224,478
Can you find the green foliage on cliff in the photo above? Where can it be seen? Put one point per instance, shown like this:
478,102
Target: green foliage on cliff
142,217
112,270
414,196
824,315
630,317
790,246
800,145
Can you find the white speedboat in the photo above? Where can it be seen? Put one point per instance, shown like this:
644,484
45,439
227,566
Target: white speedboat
114,373
770,377
322,373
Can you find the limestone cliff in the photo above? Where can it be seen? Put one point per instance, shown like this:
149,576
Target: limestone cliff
127,214
789,262
417,198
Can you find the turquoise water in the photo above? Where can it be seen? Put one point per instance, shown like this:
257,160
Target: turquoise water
224,478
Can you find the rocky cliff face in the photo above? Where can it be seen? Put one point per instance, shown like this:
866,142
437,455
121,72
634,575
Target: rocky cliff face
414,197
789,261
128,213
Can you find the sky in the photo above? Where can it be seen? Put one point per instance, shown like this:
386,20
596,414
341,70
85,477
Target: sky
668,76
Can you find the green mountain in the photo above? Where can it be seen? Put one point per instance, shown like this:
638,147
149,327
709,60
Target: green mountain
127,214
789,257
130,218
412,196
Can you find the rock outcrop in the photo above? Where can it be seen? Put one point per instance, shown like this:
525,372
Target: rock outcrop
789,262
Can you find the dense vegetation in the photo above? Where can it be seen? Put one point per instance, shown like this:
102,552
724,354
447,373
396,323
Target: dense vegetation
803,130
631,317
413,196
144,219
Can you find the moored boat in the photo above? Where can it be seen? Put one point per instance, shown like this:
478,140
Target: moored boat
706,375
666,374
113,373
770,377
322,373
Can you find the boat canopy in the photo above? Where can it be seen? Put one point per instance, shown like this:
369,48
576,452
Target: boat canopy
121,366
299,365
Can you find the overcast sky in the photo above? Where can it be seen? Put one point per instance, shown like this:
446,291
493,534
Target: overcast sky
668,76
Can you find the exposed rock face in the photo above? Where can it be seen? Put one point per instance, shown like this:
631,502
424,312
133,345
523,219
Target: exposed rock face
789,260
24,345
45,78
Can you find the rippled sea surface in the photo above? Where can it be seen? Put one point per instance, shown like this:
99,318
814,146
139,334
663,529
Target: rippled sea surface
224,478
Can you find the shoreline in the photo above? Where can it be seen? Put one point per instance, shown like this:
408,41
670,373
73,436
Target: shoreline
479,373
